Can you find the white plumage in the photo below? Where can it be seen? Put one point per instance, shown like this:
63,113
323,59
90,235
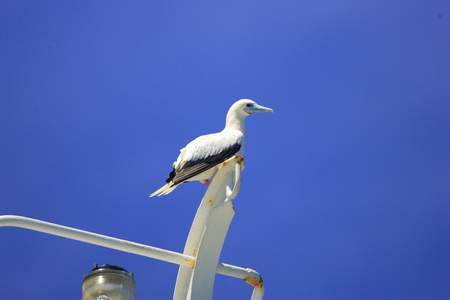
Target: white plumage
200,159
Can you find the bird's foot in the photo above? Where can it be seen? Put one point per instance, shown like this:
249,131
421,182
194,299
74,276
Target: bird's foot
207,182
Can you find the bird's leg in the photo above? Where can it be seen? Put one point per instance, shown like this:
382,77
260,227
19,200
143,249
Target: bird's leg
207,182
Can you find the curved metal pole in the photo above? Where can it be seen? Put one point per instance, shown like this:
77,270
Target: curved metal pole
247,275
98,239
208,233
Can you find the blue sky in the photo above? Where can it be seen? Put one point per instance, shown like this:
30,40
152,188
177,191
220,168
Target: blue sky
345,194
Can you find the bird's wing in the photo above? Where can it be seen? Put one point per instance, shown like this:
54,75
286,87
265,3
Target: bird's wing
203,153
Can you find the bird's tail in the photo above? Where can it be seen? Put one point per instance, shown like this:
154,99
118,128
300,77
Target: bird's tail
166,189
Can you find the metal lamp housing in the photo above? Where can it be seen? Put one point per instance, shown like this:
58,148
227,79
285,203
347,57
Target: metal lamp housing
108,282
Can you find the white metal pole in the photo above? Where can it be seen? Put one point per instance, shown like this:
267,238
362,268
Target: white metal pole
248,275
97,239
200,260
208,232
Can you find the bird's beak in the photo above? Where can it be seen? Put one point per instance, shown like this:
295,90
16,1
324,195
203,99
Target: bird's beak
258,109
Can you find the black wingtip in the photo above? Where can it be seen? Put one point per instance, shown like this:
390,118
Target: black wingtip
171,176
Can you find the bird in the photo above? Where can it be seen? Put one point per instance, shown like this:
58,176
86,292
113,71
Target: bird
201,158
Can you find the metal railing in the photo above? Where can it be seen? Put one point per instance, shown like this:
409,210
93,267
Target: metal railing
199,261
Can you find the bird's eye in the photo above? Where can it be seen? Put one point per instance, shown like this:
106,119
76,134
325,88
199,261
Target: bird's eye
249,105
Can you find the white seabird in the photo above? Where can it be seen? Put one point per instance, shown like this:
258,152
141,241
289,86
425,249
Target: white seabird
200,159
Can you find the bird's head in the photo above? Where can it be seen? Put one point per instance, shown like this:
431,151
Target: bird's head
248,107
240,110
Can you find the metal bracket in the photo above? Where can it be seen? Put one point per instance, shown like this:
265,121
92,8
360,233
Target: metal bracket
199,262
